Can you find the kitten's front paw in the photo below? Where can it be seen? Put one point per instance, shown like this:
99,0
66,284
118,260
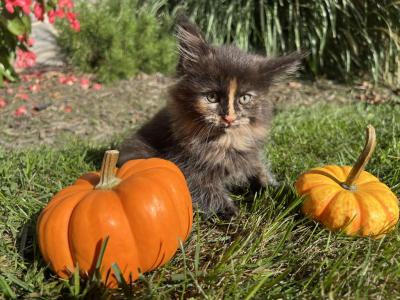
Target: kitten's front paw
229,211
266,178
273,182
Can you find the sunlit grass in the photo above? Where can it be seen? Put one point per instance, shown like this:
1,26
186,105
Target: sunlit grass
270,251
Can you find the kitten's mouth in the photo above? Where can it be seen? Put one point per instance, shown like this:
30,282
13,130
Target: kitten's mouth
229,126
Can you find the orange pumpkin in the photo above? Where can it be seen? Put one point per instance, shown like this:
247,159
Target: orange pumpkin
144,207
349,198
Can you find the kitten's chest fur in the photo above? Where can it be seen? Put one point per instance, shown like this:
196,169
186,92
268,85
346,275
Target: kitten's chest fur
226,155
229,150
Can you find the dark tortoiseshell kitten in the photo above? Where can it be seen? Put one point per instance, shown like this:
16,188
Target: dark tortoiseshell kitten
215,123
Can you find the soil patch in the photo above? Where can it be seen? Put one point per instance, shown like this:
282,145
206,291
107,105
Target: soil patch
49,106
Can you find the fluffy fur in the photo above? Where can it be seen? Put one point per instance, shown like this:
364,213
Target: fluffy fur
216,121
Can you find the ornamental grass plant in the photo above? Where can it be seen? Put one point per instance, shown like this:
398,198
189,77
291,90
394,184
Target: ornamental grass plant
346,39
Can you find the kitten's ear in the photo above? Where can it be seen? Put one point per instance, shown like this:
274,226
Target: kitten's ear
192,45
275,69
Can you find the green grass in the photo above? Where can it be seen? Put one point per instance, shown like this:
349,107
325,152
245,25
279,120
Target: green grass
269,252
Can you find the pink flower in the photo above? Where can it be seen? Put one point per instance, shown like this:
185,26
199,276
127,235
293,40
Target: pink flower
97,86
65,3
75,25
68,80
30,42
85,83
73,21
23,96
38,11
10,91
34,88
26,78
53,14
68,108
3,103
24,4
25,59
23,39
20,111
10,6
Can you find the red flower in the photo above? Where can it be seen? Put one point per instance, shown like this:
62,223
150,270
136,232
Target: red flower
97,86
85,83
3,103
21,111
10,6
23,39
53,14
30,42
38,11
68,80
73,21
25,59
68,108
34,88
24,4
65,3
23,96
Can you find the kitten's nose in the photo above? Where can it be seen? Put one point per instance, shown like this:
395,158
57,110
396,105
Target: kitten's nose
229,119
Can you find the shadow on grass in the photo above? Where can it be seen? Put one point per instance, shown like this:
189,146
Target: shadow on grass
28,245
282,196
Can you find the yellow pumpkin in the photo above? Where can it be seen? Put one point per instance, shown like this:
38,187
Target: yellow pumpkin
144,208
349,198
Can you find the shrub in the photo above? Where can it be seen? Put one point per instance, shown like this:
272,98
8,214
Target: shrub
120,38
345,38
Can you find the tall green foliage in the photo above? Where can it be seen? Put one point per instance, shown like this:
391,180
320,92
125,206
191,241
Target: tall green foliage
120,38
345,38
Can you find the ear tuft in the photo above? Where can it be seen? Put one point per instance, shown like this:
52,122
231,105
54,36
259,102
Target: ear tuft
275,69
192,45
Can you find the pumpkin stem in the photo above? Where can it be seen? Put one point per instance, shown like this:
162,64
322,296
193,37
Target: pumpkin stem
364,158
108,171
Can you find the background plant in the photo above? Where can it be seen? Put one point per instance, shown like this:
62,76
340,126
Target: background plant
346,38
15,28
120,38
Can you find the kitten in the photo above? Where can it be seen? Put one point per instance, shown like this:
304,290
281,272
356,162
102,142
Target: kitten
216,121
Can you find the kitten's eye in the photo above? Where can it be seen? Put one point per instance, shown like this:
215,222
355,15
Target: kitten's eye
245,99
211,97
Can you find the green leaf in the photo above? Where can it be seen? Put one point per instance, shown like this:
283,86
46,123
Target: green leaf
6,72
16,26
27,23
1,78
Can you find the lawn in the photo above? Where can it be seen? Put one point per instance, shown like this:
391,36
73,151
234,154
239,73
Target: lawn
270,251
